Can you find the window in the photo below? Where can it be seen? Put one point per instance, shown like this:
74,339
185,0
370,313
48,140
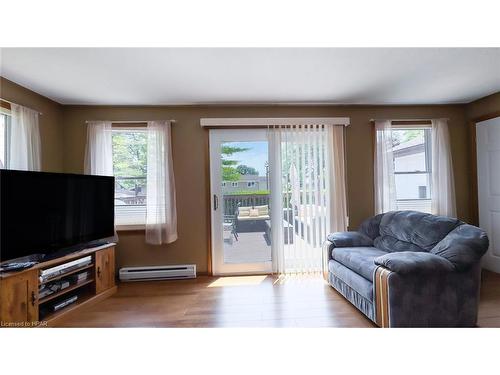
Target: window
422,192
223,183
250,183
4,125
234,184
412,167
130,171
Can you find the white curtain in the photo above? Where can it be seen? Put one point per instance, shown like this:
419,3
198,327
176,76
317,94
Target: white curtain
307,194
338,196
99,153
443,184
161,214
23,143
385,186
99,150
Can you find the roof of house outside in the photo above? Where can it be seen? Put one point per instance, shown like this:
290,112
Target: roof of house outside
411,147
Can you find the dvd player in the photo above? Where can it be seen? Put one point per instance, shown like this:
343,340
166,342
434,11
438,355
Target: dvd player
61,269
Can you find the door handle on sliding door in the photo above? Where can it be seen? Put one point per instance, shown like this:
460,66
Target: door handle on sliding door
216,202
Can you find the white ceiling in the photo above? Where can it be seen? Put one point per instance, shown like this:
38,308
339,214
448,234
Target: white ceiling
156,76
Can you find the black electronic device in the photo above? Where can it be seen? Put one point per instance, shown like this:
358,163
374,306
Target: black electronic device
53,213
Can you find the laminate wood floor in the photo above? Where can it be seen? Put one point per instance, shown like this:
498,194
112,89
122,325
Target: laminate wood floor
244,301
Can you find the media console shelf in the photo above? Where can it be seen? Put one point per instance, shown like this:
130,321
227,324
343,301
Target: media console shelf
21,306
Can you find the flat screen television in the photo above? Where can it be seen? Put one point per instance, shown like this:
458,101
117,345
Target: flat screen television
53,213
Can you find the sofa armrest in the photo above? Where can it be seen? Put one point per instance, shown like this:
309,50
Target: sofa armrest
349,239
463,246
342,239
408,262
430,298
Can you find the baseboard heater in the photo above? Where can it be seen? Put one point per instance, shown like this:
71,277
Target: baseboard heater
182,271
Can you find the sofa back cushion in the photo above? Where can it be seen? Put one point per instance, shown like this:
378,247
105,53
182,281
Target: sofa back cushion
413,231
263,210
393,245
244,211
371,227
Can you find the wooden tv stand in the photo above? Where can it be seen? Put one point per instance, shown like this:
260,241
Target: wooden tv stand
20,305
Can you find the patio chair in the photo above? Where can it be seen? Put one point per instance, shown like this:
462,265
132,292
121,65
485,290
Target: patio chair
252,218
230,223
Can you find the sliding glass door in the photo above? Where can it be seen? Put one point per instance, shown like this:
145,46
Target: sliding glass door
276,193
240,194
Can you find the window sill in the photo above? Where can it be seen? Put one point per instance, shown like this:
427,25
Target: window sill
131,227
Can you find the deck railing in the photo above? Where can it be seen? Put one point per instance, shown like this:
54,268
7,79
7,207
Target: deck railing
133,187
233,201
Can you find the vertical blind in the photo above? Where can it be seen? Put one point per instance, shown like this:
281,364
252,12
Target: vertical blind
304,178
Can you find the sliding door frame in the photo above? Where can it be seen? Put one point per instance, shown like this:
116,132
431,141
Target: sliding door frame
216,256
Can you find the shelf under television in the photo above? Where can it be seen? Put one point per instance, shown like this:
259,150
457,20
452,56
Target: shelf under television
58,277
82,298
19,292
85,298
65,290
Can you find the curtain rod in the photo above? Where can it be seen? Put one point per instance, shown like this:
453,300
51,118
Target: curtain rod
128,122
407,119
8,101
272,121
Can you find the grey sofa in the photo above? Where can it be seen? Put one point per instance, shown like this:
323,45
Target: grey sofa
409,269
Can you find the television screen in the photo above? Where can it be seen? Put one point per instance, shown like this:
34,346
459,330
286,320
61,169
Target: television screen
41,213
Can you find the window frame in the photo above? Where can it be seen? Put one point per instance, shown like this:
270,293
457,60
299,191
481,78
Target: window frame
428,161
116,128
6,135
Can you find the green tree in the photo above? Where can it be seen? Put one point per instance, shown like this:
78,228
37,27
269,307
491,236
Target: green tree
412,134
402,136
230,174
229,171
246,170
130,158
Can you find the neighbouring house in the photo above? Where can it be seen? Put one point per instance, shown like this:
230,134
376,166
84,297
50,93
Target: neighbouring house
413,173
246,183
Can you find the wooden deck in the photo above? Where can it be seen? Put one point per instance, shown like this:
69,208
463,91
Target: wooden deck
251,247
255,247
245,301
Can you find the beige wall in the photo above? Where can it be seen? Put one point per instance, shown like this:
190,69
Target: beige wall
63,133
484,106
190,153
51,129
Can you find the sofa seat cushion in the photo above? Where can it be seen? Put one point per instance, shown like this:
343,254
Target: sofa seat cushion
358,259
358,283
